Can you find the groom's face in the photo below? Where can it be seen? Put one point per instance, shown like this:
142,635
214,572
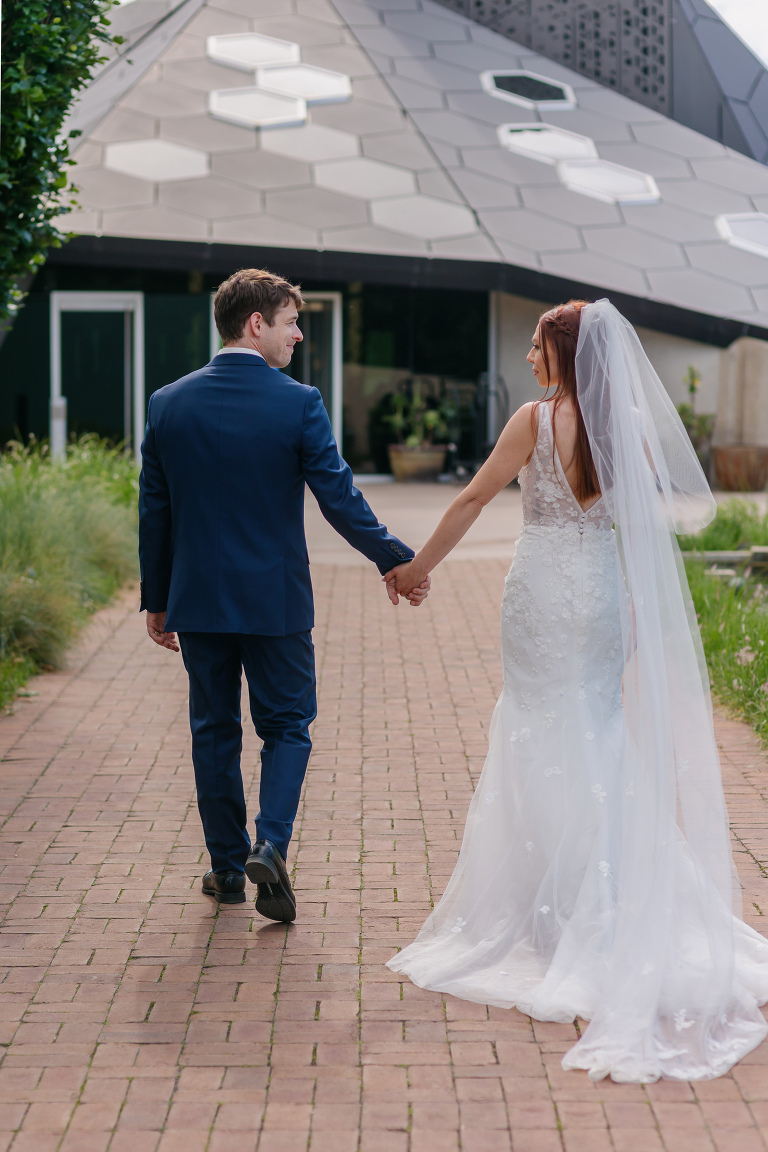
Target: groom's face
276,341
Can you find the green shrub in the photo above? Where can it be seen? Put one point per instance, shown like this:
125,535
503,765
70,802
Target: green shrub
67,542
733,617
738,524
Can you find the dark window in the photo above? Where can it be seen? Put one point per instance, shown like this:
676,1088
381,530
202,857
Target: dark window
529,88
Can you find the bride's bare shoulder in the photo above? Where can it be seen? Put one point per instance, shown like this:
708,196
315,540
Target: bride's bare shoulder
522,429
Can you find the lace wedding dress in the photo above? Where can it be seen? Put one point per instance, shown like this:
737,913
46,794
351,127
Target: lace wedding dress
532,914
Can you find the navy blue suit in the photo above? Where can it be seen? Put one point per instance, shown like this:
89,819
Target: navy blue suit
226,454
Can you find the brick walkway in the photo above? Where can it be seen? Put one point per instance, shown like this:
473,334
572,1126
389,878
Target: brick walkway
135,1017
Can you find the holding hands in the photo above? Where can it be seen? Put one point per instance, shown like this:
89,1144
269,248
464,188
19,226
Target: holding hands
408,581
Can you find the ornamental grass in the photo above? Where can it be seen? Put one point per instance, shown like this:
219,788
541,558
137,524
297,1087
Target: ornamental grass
67,543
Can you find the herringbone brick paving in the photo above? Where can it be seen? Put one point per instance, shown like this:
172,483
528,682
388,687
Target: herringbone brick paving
135,1016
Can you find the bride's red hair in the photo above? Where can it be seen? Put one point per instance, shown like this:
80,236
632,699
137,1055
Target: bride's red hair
559,336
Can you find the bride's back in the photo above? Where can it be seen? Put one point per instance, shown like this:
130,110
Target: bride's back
565,427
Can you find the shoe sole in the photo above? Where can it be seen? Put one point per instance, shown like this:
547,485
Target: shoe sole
274,903
261,871
225,897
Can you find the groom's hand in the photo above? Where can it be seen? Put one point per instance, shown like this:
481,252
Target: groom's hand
157,632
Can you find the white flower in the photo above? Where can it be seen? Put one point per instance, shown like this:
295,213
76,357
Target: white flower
523,734
598,793
629,790
552,771
544,908
605,868
490,797
684,766
745,656
549,719
682,1021
529,845
647,969
458,925
589,735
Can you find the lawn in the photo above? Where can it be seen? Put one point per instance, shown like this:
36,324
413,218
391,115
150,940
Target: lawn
67,543
733,614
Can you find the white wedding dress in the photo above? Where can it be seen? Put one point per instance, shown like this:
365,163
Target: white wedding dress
532,914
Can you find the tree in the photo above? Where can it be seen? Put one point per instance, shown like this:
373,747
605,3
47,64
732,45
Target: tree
49,48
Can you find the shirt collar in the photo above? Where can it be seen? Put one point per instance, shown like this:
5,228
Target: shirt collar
247,351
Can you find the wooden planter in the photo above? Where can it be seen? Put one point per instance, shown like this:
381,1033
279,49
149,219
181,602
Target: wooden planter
741,468
423,463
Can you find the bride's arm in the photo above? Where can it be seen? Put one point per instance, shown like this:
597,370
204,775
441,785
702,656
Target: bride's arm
513,449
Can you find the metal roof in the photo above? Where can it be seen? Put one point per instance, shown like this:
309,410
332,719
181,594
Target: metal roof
400,127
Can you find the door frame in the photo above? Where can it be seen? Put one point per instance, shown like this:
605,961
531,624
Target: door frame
131,304
337,367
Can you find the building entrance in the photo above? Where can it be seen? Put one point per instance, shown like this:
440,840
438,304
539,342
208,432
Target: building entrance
97,340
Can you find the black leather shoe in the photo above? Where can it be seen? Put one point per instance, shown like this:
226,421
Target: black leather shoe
266,868
227,887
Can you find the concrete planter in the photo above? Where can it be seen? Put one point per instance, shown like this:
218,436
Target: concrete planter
423,463
740,467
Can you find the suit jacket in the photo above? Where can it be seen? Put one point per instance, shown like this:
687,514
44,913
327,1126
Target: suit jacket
226,454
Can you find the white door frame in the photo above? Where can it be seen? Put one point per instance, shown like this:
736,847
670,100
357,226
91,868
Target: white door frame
337,352
129,303
337,367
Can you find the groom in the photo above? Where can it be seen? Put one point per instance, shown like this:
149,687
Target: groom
226,454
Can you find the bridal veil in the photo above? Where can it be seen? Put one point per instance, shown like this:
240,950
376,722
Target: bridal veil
684,975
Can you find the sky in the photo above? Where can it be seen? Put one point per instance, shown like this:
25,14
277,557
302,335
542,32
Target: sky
749,19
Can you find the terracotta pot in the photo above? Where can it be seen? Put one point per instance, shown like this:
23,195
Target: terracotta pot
741,467
423,463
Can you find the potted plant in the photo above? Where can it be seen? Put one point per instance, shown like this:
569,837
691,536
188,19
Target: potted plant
420,424
698,425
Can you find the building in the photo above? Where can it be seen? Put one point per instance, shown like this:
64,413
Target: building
431,182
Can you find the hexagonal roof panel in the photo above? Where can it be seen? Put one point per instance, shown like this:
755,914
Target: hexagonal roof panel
249,50
390,126
156,160
255,108
315,85
546,143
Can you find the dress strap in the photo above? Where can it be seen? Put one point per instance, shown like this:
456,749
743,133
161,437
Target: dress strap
544,432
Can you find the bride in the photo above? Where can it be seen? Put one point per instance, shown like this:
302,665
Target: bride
595,878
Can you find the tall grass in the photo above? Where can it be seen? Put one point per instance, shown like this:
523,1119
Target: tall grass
67,542
733,618
738,524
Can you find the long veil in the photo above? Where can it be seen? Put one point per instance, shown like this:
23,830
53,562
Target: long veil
684,974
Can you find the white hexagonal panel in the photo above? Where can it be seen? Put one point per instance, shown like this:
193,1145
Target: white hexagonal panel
249,50
312,143
527,89
315,85
611,183
424,217
364,178
546,143
256,109
156,160
747,230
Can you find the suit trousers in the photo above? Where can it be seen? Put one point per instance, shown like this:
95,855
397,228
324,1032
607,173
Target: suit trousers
280,671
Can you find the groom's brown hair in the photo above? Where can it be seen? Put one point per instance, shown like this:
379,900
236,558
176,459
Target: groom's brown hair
247,291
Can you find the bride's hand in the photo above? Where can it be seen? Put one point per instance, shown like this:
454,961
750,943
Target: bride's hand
406,580
416,596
